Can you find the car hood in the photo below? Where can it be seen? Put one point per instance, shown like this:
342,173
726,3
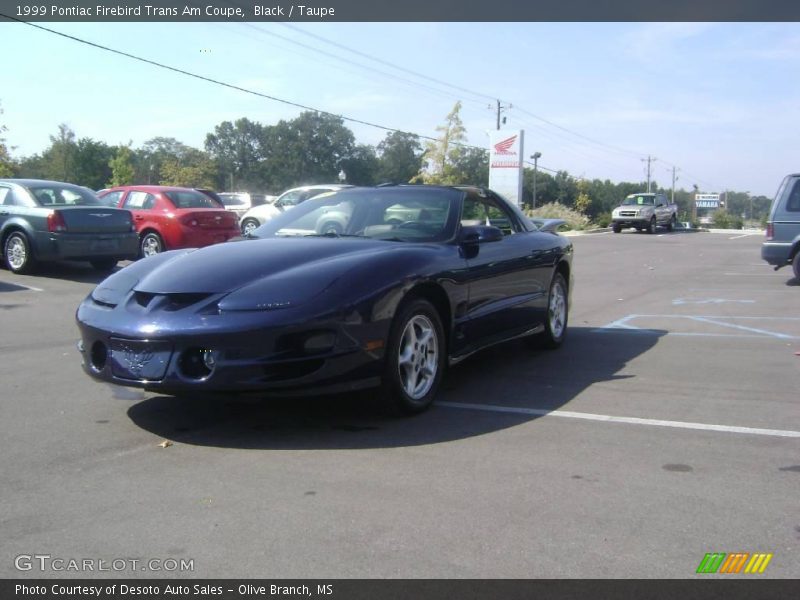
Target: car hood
307,263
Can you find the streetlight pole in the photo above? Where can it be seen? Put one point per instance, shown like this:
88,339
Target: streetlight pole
535,156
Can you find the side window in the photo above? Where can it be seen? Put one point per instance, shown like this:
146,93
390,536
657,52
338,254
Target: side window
112,199
793,203
6,199
500,218
291,198
140,200
473,212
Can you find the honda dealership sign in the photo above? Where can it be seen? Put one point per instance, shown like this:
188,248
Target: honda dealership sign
505,164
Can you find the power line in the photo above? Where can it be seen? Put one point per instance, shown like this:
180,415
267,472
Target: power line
228,85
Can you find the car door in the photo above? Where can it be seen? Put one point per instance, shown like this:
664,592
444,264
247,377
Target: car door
140,204
507,279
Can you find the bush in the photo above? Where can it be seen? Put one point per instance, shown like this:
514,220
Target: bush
604,220
721,219
555,210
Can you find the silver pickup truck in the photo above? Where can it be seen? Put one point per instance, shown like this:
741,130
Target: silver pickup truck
645,211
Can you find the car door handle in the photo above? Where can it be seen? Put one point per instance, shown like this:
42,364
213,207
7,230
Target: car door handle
4,213
138,217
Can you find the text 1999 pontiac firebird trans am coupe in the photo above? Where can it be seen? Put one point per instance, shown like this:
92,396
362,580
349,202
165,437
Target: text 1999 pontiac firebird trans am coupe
415,278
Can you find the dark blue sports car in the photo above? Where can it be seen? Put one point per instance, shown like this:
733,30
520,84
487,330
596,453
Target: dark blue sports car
358,288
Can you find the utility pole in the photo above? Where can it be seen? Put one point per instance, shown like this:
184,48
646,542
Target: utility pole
501,108
649,159
674,179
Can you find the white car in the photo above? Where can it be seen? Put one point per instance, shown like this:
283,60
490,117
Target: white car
241,202
258,215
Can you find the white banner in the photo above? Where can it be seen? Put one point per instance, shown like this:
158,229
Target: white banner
506,153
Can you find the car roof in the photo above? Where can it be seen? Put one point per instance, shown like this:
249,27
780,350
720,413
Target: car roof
156,188
29,182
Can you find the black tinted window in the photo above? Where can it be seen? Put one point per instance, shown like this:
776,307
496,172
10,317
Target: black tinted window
793,204
58,195
191,199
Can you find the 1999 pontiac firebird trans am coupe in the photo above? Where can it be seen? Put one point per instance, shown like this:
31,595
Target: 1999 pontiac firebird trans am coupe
412,279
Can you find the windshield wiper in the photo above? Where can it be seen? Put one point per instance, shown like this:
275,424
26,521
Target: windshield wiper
333,234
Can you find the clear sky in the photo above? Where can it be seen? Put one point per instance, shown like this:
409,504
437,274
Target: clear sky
721,102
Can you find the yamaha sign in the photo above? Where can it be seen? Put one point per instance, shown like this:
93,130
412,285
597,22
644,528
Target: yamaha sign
506,152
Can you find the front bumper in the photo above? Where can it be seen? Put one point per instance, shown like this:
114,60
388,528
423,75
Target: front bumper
86,246
777,254
630,221
248,356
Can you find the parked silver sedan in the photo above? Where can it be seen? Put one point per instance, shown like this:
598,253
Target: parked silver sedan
49,221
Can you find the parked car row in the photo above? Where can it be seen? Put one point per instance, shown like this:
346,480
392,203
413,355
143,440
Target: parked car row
258,215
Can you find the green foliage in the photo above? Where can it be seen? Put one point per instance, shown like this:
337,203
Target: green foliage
305,150
443,155
122,172
583,201
556,210
604,220
195,169
722,219
6,166
400,157
238,149
361,167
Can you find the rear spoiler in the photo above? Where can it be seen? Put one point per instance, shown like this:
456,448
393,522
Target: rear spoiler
550,225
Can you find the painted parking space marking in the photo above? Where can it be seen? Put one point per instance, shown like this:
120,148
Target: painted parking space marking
687,325
20,286
627,420
682,301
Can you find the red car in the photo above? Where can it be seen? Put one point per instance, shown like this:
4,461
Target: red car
167,218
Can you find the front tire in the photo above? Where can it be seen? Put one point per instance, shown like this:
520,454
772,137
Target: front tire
796,266
151,245
415,359
652,227
616,228
17,253
555,325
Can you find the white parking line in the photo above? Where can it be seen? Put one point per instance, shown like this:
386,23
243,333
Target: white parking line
23,286
782,336
629,420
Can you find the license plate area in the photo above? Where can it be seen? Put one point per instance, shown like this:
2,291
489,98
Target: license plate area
139,360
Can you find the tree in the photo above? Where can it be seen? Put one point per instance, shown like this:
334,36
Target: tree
91,163
443,154
193,169
148,159
582,200
61,155
472,167
238,149
362,166
6,166
306,150
400,157
122,172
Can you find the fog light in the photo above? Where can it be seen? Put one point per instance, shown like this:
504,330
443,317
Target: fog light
320,342
98,356
210,359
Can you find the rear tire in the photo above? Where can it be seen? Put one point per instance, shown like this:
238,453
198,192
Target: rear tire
17,253
415,359
673,222
796,266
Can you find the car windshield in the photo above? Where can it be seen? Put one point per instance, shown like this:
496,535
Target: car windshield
399,214
639,200
62,195
191,199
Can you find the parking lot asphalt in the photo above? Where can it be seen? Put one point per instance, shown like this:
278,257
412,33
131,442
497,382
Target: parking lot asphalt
665,428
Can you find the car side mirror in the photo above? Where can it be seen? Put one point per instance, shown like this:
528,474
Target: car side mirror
480,234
